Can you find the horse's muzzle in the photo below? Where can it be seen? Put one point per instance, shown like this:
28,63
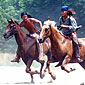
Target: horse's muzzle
6,35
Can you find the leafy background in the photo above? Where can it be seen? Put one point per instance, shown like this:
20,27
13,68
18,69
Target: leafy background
39,9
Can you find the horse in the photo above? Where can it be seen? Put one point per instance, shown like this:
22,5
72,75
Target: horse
61,46
28,47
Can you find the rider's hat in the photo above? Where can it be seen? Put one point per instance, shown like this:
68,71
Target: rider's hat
64,8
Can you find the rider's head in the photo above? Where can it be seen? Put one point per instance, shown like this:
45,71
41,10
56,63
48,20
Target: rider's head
64,10
25,16
24,13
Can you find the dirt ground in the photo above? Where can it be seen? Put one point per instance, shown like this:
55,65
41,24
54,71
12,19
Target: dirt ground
18,76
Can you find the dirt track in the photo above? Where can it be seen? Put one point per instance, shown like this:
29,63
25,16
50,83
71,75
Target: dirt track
17,75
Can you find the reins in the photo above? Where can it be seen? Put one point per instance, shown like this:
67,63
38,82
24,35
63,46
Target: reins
52,33
55,33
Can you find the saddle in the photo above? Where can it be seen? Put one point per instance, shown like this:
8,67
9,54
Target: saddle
68,37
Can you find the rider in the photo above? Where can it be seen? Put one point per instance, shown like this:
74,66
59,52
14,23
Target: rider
68,25
29,24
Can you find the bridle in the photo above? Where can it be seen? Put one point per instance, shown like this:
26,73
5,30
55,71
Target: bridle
11,33
51,32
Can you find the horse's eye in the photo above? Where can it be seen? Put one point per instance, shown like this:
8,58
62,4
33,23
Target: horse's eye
46,30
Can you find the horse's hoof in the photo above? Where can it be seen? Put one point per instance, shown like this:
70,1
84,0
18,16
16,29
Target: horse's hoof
54,77
63,68
71,69
42,76
32,82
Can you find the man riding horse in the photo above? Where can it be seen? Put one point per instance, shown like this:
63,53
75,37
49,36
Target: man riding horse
69,25
29,24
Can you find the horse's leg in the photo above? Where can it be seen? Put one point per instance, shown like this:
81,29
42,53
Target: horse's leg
66,61
59,64
28,70
42,64
45,69
50,60
49,71
47,66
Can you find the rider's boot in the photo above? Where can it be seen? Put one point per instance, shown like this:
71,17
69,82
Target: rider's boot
16,59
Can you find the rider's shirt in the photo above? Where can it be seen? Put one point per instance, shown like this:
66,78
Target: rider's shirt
71,22
29,26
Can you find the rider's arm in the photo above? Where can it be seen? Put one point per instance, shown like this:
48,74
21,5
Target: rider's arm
61,25
37,21
64,26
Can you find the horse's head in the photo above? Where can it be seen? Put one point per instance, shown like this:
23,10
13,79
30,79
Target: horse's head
10,29
46,30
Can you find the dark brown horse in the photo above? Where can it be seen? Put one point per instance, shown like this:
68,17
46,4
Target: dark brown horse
61,46
28,48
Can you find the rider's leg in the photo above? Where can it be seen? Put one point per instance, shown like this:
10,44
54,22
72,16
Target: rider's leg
40,45
16,59
76,47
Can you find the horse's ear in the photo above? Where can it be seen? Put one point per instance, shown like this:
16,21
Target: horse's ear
8,21
12,20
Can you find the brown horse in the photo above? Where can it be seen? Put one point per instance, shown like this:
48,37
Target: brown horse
61,46
28,48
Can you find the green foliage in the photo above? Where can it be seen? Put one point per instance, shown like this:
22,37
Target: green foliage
40,9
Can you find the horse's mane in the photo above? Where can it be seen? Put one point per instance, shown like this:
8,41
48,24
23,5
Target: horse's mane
16,22
53,24
49,22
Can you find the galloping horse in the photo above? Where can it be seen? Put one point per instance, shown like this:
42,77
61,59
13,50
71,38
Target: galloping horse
61,46
28,48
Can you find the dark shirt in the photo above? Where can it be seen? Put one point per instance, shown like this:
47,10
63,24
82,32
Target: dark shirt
71,23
